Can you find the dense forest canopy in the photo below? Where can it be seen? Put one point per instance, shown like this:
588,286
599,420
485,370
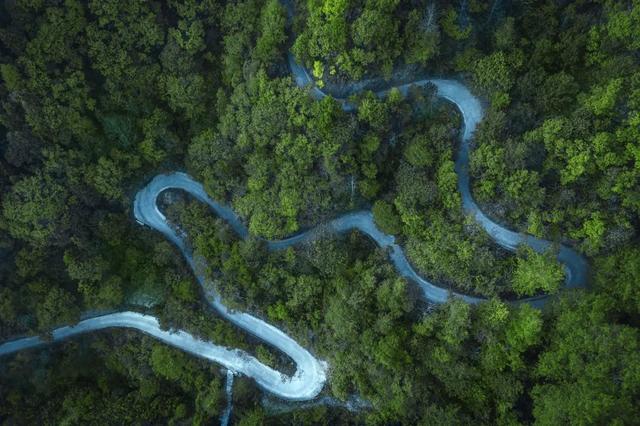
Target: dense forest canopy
97,97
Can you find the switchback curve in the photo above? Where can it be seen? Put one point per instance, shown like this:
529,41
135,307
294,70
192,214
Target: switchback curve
310,375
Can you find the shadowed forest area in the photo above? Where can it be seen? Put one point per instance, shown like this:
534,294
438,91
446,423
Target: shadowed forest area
99,96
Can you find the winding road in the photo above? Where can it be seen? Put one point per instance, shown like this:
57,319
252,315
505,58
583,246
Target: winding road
311,373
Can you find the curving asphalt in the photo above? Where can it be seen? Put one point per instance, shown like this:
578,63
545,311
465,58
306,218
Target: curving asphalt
304,385
311,373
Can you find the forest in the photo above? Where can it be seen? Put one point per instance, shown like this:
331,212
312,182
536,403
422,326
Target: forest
97,97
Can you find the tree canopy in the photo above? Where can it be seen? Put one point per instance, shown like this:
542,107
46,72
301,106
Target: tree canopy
97,97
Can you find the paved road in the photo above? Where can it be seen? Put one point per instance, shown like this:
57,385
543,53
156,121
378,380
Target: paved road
304,385
311,373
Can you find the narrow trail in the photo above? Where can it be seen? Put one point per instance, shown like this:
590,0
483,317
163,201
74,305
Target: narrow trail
226,414
311,373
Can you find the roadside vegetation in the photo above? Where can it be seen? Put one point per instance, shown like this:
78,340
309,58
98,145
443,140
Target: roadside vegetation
97,97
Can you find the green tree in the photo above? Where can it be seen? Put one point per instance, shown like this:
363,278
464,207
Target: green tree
386,217
422,37
447,184
537,272
618,274
451,27
493,73
211,398
272,32
171,364
603,98
37,210
8,305
600,385
56,308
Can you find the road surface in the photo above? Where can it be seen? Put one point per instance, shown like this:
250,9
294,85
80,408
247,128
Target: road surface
311,373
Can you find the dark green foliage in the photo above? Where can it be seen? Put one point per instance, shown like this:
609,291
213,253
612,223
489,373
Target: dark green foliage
106,379
37,211
537,272
563,157
602,384
352,38
386,217
98,96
